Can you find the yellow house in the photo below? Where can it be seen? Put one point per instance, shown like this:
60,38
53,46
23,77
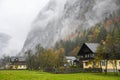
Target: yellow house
17,63
87,53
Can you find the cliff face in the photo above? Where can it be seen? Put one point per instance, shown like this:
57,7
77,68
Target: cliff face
60,18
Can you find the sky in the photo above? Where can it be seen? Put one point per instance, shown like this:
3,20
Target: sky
16,17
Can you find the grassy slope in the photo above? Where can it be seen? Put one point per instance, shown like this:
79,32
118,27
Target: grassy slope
32,75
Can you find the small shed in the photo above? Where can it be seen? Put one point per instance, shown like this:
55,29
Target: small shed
70,60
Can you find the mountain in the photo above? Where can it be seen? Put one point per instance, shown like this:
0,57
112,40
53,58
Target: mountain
61,18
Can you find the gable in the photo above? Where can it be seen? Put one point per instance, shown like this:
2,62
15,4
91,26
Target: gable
88,48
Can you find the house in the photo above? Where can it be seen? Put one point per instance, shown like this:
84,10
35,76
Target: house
87,57
70,60
16,63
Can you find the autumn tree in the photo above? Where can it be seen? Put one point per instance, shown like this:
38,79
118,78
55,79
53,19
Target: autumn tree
29,59
116,53
110,50
39,56
75,51
60,57
100,54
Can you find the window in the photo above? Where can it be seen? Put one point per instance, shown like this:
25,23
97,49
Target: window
94,63
86,63
20,66
86,56
103,63
23,66
92,55
81,56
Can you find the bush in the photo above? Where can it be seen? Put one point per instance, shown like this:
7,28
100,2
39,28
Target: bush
74,67
93,70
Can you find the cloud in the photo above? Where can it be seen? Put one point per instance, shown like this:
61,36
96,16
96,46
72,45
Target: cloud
16,17
4,41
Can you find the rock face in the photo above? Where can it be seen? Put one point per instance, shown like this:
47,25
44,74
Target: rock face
60,18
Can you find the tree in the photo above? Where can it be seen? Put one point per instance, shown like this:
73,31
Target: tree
29,59
60,57
49,59
75,51
5,60
100,55
102,34
110,50
116,53
39,57
104,50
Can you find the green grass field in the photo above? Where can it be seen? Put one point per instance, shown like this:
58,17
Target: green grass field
37,75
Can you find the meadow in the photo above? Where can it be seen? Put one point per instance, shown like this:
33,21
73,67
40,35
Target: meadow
38,75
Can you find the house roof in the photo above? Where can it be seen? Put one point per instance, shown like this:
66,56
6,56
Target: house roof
88,48
92,46
19,58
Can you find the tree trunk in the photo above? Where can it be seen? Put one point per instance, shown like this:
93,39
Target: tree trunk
116,67
106,66
100,65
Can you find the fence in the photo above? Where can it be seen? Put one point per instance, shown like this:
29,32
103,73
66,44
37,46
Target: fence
73,70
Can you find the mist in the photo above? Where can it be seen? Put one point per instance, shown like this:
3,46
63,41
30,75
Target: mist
4,41
16,17
32,22
60,19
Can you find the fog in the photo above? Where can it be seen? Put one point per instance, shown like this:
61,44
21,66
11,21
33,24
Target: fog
16,17
47,21
61,18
